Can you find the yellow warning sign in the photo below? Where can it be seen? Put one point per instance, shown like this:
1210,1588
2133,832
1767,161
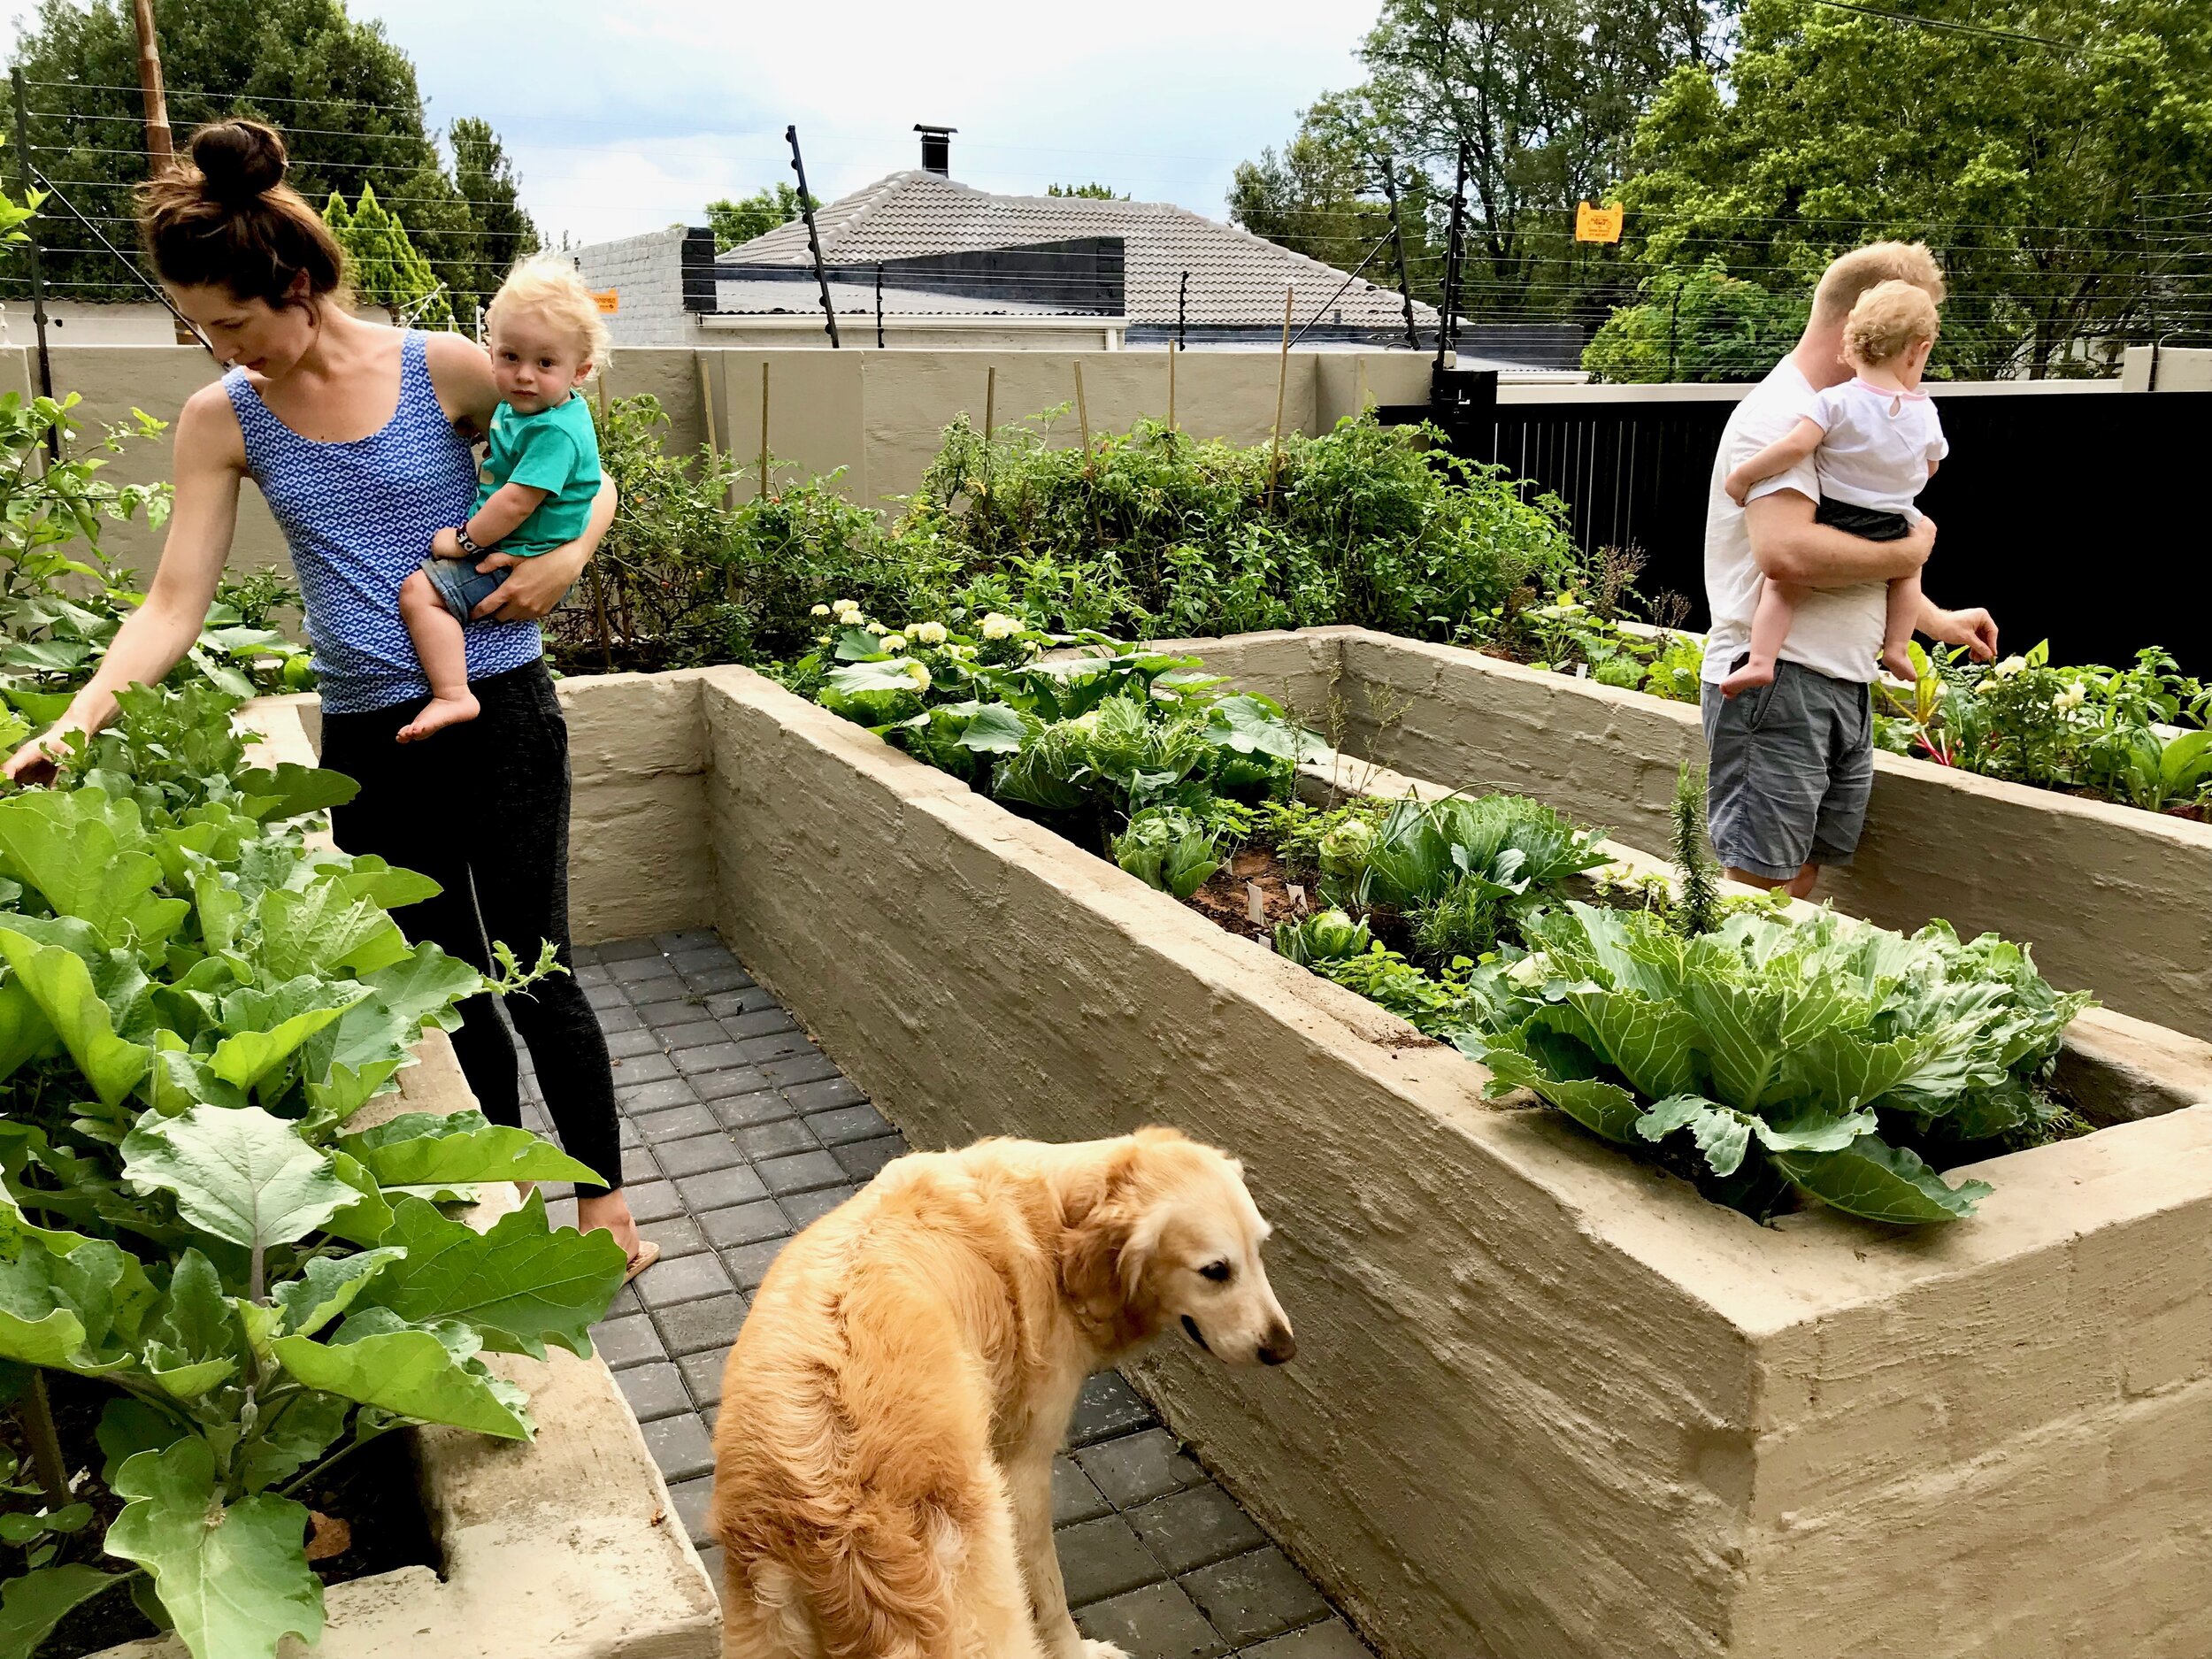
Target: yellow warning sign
1598,224
610,301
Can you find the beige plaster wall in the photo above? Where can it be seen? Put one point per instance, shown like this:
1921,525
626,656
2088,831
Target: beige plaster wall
2114,899
639,858
1548,1404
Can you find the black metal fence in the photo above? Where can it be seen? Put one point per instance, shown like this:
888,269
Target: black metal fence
2075,515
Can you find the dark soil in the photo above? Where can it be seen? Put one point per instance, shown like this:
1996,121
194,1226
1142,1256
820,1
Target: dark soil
373,1491
1225,899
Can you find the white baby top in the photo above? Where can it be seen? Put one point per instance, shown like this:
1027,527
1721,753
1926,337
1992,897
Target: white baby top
1876,446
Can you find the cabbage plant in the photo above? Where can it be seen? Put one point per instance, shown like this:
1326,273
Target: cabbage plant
1784,1044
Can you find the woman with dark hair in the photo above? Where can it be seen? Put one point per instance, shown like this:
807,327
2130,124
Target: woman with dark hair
360,437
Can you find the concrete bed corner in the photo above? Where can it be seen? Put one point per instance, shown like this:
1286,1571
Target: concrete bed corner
1548,1403
565,1545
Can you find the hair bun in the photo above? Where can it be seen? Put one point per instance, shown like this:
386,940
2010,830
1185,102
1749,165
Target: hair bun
240,160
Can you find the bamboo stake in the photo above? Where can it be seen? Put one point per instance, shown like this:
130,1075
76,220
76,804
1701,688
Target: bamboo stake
763,428
1170,386
1083,416
1282,381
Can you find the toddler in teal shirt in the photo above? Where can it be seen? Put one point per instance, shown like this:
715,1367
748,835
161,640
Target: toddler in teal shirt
542,473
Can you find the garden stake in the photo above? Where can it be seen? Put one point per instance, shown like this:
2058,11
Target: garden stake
763,428
1083,416
1255,903
1171,388
1282,380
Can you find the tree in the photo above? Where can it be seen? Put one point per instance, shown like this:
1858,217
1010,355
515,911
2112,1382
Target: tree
1697,324
503,231
383,266
1097,192
2046,178
342,93
740,221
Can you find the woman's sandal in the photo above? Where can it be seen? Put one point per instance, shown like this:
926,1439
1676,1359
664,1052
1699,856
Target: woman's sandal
648,1253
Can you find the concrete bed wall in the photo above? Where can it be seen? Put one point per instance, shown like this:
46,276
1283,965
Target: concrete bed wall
1549,1404
2110,897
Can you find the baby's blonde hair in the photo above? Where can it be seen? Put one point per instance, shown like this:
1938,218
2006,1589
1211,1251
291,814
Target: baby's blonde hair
548,284
1890,319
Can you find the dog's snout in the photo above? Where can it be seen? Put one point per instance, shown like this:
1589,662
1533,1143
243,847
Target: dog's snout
1279,1347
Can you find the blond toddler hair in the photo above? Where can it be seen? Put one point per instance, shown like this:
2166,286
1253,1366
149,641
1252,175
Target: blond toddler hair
547,285
1889,320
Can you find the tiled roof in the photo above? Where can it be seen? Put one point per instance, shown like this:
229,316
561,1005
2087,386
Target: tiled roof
771,297
1236,279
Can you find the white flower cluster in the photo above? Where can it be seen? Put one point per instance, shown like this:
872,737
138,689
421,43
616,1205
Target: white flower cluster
996,626
917,671
2011,666
927,633
2071,698
894,643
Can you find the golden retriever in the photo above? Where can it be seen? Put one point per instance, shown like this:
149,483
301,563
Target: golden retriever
883,1459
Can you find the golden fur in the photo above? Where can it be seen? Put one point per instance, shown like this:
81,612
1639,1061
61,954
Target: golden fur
883,1458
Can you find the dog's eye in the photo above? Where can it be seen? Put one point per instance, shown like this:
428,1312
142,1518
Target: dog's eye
1218,1271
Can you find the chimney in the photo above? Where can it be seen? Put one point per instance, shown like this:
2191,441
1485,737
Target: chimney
936,149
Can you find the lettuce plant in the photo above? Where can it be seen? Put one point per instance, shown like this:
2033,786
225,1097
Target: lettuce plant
1786,1046
196,1003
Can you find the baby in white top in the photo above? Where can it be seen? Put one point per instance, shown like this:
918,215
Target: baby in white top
1876,442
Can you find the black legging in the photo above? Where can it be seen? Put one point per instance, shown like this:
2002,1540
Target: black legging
486,805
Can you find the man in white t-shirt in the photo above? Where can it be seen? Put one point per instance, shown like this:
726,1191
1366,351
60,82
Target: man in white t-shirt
1792,762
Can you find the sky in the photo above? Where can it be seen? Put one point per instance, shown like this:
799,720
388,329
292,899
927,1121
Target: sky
622,118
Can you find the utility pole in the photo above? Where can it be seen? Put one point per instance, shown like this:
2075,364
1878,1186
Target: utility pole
1398,241
1447,329
161,153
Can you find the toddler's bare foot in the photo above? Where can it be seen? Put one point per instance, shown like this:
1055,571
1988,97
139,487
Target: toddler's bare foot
1753,673
1898,660
439,713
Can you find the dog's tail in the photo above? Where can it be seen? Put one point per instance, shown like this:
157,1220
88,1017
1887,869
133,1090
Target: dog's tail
877,1584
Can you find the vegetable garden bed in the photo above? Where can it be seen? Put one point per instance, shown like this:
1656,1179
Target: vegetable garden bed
1549,1401
2109,897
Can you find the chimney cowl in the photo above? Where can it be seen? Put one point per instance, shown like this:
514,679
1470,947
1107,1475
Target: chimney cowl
936,148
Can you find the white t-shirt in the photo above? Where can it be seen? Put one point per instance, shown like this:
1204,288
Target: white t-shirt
1876,447
1838,630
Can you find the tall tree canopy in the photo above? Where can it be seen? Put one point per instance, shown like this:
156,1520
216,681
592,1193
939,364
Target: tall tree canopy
383,266
342,93
2052,179
503,231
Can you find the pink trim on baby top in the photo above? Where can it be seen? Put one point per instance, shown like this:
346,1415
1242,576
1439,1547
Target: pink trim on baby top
1888,391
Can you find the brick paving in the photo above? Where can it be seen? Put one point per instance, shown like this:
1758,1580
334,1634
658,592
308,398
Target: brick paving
736,1132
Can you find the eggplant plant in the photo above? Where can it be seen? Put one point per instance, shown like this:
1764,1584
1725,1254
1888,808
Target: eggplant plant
196,1002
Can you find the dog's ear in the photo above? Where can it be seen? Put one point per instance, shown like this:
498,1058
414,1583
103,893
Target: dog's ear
1101,1255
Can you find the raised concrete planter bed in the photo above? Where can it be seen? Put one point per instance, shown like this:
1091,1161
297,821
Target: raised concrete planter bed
566,1545
1548,1404
2110,897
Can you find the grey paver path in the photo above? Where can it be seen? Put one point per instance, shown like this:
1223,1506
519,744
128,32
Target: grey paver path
737,1132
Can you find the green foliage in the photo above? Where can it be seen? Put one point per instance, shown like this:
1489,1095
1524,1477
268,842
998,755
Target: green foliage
61,602
343,95
1326,936
737,222
1168,847
1785,1049
1096,192
1697,907
383,266
1696,323
2135,735
484,178
1437,1005
2029,173
195,1001
1509,846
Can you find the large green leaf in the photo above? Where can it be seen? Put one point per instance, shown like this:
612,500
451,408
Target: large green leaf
293,789
1722,1135
32,1605
238,1174
233,1578
403,1368
66,1302
326,1288
24,1029
58,981
1880,1182
424,1150
1654,1044
521,1284
192,1344
322,930
1251,725
86,854
268,1027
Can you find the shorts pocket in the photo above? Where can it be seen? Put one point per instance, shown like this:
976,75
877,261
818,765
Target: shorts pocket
1759,704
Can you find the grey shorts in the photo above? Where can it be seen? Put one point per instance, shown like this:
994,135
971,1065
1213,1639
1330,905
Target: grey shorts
1792,765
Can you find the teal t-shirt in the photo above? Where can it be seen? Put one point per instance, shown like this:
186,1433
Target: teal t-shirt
556,450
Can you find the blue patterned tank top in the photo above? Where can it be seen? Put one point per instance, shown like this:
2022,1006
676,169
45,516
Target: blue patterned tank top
358,517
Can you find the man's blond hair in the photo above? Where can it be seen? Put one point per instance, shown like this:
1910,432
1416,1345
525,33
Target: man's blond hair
1890,319
546,285
1863,268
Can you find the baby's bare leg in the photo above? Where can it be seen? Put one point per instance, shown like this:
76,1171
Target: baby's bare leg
436,632
1904,612
1769,627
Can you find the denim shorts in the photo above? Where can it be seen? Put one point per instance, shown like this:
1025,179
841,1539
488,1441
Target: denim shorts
1792,765
460,585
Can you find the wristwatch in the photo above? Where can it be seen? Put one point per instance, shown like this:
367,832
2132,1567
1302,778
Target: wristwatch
469,549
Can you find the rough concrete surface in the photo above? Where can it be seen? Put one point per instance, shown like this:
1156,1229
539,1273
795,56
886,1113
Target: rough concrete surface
2111,898
1547,1402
